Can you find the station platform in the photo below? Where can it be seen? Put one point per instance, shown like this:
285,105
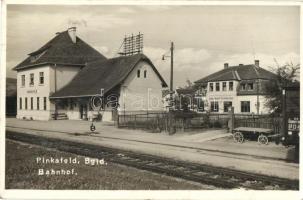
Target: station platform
210,146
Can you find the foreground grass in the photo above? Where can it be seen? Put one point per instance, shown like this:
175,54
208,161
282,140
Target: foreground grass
22,173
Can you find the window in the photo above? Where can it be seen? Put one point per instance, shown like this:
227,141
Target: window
22,80
44,103
214,106
245,106
250,86
32,103
20,103
211,87
41,78
217,86
31,81
200,105
145,72
138,73
231,86
25,103
242,86
227,105
224,86
38,103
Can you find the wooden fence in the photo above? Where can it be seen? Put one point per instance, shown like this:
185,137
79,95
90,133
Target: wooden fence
259,121
163,121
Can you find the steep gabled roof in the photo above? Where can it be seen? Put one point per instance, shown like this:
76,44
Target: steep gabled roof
243,72
62,50
104,74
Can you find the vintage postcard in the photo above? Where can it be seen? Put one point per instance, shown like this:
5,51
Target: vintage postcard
150,100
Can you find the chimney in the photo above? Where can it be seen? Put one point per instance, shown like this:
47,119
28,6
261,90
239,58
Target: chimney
240,65
225,65
72,34
257,63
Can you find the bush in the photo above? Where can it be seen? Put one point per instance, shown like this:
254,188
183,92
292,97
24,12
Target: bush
215,124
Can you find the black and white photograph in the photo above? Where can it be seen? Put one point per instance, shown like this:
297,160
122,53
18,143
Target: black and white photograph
156,97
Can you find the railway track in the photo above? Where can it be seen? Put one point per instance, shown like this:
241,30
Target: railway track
201,150
206,174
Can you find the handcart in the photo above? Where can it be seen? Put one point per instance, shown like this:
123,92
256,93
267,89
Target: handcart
262,134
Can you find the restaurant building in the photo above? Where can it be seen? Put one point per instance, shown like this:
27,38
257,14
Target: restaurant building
242,87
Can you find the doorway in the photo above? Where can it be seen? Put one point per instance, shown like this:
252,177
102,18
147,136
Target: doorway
83,111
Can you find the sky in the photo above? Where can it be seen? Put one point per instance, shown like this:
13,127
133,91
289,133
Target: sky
205,37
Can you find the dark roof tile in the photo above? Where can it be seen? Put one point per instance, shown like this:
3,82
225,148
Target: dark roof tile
61,50
104,74
245,72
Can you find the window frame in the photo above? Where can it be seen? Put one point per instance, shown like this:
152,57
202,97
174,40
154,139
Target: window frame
248,86
217,86
41,82
44,103
242,86
32,103
211,87
224,86
230,104
245,106
213,105
23,80
138,73
25,103
145,74
201,105
20,103
31,79
38,103
231,86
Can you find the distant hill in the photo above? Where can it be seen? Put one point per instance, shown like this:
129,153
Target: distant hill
11,87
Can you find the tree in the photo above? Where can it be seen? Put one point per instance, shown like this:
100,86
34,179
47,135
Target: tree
285,74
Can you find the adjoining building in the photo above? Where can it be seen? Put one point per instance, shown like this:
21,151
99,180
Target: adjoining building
58,81
128,83
242,87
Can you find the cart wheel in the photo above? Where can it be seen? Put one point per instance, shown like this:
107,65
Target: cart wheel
238,137
262,139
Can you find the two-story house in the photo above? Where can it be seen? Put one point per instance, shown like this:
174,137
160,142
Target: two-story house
241,87
49,69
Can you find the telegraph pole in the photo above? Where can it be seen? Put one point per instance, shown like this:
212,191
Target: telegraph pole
171,67
171,87
258,99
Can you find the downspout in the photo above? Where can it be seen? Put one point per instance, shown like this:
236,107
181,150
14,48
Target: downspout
55,77
56,111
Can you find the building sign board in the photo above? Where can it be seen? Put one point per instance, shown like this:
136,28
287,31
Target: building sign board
31,91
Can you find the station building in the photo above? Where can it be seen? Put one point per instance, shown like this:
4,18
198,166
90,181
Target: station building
242,87
59,80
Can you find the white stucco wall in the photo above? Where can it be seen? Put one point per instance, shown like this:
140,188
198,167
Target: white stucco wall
64,75
141,93
221,96
34,91
253,104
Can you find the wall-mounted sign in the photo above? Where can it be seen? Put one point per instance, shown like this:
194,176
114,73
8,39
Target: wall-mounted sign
31,91
218,98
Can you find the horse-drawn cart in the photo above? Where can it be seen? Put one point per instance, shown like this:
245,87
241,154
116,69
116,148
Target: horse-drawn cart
262,134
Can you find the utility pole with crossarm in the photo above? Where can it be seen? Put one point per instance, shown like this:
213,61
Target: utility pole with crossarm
171,88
